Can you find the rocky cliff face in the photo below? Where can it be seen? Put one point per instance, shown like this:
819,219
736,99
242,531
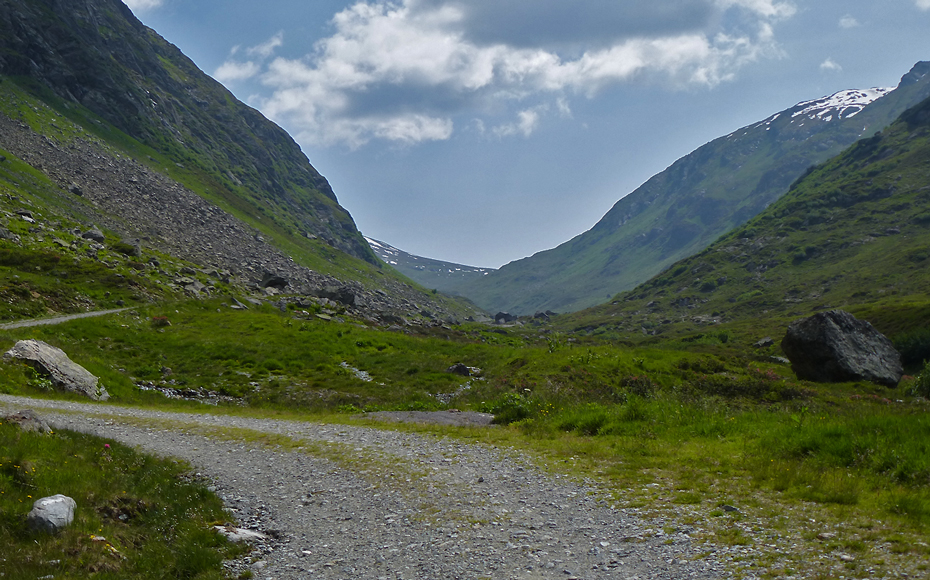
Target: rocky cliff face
96,54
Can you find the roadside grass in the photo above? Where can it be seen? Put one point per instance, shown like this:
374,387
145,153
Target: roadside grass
679,428
137,516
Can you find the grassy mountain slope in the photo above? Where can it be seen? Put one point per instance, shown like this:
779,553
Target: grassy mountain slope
854,233
683,209
95,56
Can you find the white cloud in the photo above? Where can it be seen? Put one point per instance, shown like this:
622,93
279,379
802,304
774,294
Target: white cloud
402,72
830,65
527,122
142,5
231,71
268,47
235,70
849,21
923,4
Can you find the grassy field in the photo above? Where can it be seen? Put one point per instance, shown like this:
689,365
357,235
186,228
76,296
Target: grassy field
136,517
706,421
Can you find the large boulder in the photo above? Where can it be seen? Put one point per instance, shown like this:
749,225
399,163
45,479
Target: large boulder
64,373
836,346
51,514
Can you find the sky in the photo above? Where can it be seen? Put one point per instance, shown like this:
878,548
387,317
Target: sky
484,131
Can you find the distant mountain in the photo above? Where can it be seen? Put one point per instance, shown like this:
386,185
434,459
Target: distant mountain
97,55
854,233
699,198
434,274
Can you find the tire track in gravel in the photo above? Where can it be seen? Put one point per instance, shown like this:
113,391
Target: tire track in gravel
360,502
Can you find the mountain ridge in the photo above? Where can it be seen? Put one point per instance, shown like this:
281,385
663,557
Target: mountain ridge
97,54
685,207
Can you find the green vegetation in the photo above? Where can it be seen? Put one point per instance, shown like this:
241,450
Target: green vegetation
136,517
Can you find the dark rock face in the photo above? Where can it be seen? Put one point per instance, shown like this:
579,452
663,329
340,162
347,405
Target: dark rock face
835,346
273,281
64,373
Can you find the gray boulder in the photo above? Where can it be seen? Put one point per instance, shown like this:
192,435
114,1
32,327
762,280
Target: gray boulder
64,373
836,346
51,514
28,420
338,293
94,234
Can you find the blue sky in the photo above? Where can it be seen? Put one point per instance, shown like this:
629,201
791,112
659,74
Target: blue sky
481,131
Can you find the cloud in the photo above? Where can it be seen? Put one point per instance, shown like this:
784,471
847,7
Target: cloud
142,5
923,4
268,47
405,71
830,65
527,122
849,21
235,70
231,71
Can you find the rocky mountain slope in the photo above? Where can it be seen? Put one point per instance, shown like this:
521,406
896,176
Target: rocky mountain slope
699,198
430,273
119,158
96,56
854,233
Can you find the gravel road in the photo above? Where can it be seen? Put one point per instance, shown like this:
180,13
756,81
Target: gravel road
359,502
57,319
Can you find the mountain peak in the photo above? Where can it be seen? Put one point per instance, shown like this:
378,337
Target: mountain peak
840,105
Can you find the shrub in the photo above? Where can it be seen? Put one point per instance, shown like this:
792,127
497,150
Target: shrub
921,386
914,346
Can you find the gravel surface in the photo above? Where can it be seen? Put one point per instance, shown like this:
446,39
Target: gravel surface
359,502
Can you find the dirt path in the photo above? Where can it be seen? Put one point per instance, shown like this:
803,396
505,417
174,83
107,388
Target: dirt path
361,502
57,319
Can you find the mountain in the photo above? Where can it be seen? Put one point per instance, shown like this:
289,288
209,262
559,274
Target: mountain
430,273
697,199
854,233
95,54
128,175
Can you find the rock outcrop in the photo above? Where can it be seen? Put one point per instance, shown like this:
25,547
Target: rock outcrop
836,346
64,373
28,420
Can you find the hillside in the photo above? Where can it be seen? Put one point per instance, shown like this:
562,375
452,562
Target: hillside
130,176
94,61
699,198
854,233
429,273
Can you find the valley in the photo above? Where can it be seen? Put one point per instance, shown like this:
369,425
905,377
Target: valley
180,248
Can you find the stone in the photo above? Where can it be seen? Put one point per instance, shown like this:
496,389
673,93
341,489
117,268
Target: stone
504,317
51,514
459,369
836,346
270,280
76,189
94,234
64,373
28,420
764,342
340,293
239,534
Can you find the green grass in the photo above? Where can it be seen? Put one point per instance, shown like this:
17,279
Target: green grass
136,517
